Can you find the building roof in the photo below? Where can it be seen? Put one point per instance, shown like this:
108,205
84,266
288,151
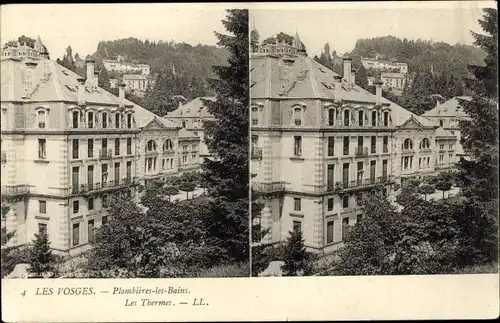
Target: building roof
450,108
192,109
53,82
134,77
441,132
183,133
312,81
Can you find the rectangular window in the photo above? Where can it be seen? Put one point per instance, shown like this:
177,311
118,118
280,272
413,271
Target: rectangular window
345,227
345,201
360,173
42,207
193,147
450,156
297,227
298,116
117,120
90,227
75,178
441,146
90,203
450,146
255,116
420,163
297,147
129,170
129,146
117,173
76,207
117,146
90,177
329,231
76,148
331,146
76,234
373,144
345,174
384,167
346,146
42,228
104,174
386,144
193,159
90,120
184,147
104,120
330,204
297,204
42,148
90,148
361,118
184,159
330,176
104,144
386,119
441,158
373,164
129,121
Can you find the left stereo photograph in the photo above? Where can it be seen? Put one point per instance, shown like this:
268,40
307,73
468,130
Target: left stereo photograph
124,147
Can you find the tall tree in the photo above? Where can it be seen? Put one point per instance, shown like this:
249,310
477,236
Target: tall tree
227,175
40,258
297,261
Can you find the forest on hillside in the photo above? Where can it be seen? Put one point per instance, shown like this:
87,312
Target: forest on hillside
177,68
437,70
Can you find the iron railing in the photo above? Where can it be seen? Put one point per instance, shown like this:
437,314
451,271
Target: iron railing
105,153
108,185
360,183
361,151
13,190
268,187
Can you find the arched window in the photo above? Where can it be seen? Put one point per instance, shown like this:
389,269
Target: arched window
408,144
331,116
345,201
151,146
374,118
361,117
425,144
347,117
169,145
75,119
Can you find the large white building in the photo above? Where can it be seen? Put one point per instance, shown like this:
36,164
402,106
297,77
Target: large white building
191,116
319,141
66,144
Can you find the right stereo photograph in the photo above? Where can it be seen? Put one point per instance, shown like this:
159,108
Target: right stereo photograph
373,148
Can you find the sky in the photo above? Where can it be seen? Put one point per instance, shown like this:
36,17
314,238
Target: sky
341,25
83,26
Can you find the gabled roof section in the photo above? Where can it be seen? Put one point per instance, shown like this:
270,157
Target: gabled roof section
440,132
186,134
450,108
411,123
192,109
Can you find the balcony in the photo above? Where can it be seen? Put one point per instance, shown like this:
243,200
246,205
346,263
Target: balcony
361,151
269,187
359,184
9,191
105,153
256,153
4,156
104,186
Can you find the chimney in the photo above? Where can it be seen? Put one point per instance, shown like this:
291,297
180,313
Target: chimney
353,78
378,92
29,78
180,103
347,71
96,78
81,90
338,89
90,72
121,95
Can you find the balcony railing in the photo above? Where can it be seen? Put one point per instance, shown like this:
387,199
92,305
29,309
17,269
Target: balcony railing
4,156
361,151
270,187
360,183
256,152
105,153
108,185
15,190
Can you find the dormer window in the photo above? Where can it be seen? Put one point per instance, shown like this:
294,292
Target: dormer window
298,114
90,120
386,119
104,120
361,117
41,118
374,118
129,121
75,119
332,115
347,117
117,120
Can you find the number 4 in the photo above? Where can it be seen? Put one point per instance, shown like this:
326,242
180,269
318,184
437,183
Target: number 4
23,293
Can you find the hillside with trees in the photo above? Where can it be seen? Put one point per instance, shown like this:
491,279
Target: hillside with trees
178,68
436,69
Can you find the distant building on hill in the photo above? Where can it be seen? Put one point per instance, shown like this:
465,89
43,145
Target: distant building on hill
394,82
122,67
380,65
137,83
